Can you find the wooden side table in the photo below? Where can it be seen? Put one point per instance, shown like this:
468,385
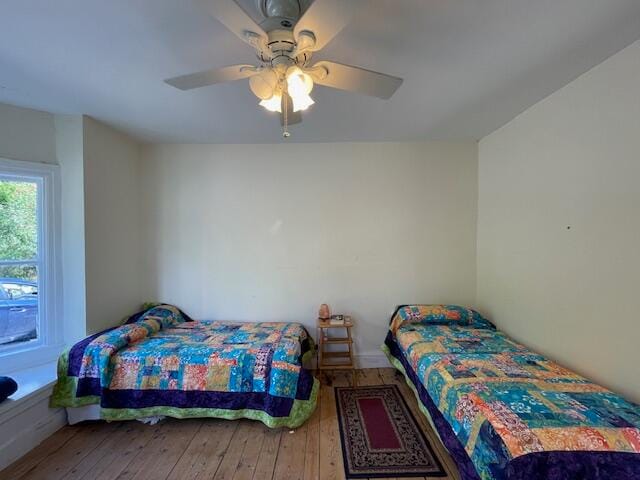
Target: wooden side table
336,359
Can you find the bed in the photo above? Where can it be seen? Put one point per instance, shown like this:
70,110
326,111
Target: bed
504,412
160,363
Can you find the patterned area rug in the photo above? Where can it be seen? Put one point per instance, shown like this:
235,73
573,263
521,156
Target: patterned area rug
380,436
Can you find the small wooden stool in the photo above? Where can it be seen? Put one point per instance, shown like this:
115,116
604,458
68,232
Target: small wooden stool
335,359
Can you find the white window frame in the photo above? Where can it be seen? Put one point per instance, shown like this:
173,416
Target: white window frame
50,339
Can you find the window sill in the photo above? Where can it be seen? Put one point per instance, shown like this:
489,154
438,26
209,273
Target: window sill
33,384
19,360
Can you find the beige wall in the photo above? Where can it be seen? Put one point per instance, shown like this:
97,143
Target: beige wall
268,232
112,225
70,154
27,135
559,225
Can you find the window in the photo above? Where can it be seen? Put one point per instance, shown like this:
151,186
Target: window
28,269
19,258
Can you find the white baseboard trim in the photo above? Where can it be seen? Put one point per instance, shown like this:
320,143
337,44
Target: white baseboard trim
366,360
372,360
28,426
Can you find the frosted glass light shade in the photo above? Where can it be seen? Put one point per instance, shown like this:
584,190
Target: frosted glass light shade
273,104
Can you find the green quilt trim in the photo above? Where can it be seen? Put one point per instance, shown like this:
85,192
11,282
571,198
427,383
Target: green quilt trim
64,391
300,411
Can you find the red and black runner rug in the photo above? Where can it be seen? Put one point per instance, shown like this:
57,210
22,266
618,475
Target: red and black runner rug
380,436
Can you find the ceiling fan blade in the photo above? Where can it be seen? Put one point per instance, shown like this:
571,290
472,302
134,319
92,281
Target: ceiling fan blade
211,77
292,117
232,16
356,79
325,19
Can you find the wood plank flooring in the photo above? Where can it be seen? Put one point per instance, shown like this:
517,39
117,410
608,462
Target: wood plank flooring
209,448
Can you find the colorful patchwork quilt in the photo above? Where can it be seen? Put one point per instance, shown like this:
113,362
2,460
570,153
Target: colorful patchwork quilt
161,364
417,340
507,413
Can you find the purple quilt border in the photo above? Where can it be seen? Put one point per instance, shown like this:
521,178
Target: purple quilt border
273,406
132,398
575,465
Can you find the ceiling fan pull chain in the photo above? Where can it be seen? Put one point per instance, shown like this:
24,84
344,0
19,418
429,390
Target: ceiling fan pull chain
285,113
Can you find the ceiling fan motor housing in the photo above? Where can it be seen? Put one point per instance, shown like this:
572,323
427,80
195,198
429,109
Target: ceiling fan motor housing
282,50
279,18
284,9
281,13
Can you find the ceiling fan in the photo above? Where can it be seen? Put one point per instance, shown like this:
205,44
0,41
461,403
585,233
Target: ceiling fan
285,41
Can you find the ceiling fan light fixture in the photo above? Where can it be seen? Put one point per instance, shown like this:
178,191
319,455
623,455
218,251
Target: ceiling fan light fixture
301,102
273,104
263,85
299,81
299,85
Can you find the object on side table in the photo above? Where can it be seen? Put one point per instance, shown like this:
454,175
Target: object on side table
324,313
8,387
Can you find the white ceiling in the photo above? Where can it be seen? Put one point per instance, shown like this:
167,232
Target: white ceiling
469,66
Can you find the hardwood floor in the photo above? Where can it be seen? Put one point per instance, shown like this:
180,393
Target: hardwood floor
208,448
